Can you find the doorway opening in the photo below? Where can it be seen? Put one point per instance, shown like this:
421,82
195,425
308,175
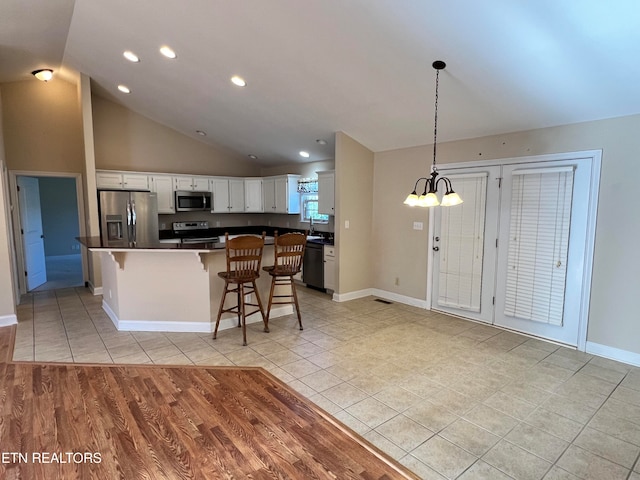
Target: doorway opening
47,219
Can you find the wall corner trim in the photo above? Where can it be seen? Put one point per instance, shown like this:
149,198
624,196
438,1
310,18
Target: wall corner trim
613,353
7,320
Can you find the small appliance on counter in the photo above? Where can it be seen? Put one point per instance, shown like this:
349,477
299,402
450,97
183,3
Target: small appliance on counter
193,201
128,218
194,232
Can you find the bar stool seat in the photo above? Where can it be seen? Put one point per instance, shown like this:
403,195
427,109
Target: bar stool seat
288,254
244,256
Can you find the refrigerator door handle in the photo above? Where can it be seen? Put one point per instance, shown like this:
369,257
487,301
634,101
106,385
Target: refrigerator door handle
133,221
128,221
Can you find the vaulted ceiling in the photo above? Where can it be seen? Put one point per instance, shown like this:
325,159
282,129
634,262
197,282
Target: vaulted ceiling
315,67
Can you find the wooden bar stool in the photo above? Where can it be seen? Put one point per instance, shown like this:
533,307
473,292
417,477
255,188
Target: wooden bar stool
289,252
244,255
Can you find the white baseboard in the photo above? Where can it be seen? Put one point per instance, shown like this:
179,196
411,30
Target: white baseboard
613,353
395,297
345,297
93,289
414,302
189,327
6,320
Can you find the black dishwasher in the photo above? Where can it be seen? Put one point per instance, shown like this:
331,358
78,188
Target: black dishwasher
313,266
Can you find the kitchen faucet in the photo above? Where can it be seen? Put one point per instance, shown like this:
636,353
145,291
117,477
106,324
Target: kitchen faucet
311,229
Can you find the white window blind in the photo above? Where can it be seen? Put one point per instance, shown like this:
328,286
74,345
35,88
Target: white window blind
538,244
461,244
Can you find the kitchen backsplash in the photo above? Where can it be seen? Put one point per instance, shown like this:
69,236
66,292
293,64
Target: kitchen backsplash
242,219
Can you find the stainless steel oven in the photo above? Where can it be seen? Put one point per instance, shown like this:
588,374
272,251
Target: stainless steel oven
193,201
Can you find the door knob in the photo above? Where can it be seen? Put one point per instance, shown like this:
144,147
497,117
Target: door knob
436,249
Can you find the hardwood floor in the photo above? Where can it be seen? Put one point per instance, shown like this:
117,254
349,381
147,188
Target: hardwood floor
147,422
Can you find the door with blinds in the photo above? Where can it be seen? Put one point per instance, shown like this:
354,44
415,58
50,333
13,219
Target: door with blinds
542,248
464,257
514,253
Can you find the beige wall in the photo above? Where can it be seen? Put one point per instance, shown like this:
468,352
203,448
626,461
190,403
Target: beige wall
125,140
7,295
42,126
354,203
401,251
305,170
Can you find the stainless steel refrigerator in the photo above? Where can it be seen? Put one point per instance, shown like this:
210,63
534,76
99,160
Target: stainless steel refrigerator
128,219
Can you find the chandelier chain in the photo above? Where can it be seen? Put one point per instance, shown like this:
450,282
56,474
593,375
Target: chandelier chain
435,123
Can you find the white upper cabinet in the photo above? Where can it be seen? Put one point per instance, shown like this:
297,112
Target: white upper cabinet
326,192
162,185
253,195
193,184
236,195
122,180
220,191
281,194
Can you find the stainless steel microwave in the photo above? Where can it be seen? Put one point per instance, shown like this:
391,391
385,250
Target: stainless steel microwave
193,201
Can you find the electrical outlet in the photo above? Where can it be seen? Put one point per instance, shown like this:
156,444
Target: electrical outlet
346,224
418,225
248,222
163,226
218,223
287,224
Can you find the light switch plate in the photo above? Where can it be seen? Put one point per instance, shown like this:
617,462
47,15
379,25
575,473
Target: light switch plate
418,226
346,224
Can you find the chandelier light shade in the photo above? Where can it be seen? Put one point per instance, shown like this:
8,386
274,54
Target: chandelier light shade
44,74
429,196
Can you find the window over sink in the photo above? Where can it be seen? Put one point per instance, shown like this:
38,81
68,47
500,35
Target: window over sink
309,210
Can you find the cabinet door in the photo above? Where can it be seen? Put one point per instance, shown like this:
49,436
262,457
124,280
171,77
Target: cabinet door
253,195
135,181
220,192
109,180
236,195
329,267
281,204
200,184
269,189
162,185
326,193
183,183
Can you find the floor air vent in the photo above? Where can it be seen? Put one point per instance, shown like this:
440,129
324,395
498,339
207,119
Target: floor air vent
383,301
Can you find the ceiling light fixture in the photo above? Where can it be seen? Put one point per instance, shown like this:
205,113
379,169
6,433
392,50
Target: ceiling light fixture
201,133
304,154
44,74
321,141
252,156
168,52
132,57
124,89
239,81
429,197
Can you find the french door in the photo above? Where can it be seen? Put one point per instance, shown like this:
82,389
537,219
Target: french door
517,252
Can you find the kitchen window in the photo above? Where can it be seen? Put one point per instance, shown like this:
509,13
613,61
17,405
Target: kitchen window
309,209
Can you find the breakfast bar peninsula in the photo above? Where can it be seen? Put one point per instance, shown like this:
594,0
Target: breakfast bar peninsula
170,287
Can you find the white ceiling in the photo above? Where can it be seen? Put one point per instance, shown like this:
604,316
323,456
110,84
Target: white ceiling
315,67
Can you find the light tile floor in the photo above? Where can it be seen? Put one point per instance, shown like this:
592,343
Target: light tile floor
447,397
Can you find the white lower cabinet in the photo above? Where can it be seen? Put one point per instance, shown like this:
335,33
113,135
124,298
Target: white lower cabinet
162,185
330,267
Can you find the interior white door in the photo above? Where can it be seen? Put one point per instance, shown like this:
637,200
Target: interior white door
32,235
464,253
543,237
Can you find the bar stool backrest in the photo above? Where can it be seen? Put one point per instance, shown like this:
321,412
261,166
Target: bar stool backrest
244,255
289,252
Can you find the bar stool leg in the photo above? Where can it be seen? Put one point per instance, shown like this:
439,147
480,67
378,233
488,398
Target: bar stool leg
295,300
241,308
224,296
273,285
264,318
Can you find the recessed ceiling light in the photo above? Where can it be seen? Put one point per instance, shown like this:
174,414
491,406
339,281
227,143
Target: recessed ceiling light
168,52
124,89
239,81
200,132
321,141
132,57
252,156
304,154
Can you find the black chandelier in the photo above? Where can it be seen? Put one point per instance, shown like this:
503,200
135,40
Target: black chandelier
429,197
